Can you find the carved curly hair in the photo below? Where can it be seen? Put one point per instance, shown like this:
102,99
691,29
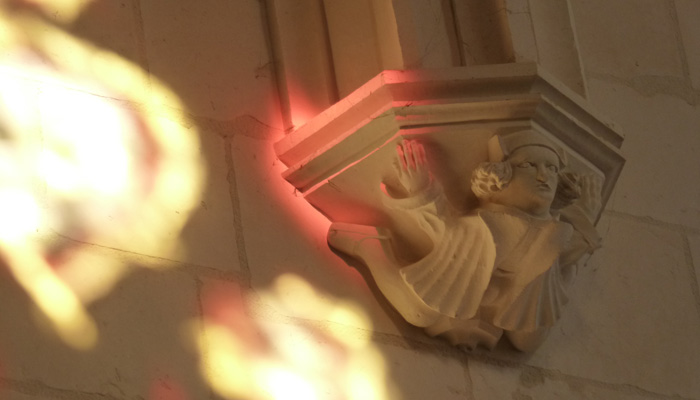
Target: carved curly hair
491,177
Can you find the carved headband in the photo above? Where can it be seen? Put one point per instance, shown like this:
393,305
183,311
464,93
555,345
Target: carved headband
502,146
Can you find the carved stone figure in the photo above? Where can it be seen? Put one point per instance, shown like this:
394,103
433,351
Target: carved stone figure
500,269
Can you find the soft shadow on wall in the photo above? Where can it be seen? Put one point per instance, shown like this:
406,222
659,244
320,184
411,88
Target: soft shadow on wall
101,173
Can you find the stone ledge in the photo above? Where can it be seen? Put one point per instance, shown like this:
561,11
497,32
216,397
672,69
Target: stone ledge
457,108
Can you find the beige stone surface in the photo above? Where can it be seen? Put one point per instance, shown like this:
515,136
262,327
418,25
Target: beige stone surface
617,38
353,38
492,381
557,46
425,374
659,178
35,390
687,12
427,40
12,395
632,318
694,242
214,55
522,31
110,26
204,235
209,235
140,347
297,36
483,32
120,33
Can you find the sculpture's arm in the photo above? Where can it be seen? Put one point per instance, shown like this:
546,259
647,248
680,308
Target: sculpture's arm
417,201
411,172
581,215
412,186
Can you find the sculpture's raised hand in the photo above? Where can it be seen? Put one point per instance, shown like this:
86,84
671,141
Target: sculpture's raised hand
411,167
590,200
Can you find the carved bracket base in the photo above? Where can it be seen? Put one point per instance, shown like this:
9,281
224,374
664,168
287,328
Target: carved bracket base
392,165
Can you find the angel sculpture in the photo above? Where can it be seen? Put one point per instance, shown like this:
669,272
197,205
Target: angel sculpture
501,269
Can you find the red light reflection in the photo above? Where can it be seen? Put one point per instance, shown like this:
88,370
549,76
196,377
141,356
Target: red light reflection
301,107
166,388
223,305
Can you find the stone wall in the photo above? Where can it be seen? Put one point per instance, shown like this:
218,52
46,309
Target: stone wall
255,305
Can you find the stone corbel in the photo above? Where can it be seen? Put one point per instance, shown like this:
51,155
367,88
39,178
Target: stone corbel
393,166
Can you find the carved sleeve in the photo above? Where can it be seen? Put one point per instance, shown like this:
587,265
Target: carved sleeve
585,238
429,208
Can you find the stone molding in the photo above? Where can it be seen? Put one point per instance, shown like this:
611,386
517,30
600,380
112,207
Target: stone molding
396,101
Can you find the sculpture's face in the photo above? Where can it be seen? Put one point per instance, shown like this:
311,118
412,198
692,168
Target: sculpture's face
534,181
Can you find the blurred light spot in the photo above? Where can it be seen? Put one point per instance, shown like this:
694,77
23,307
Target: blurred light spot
62,10
88,282
270,356
86,151
17,99
86,141
305,298
361,387
226,365
69,318
366,376
284,384
19,214
298,297
58,172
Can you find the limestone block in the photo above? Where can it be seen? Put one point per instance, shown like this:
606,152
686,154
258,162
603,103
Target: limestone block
687,11
424,29
518,6
114,26
305,72
694,241
522,31
140,346
484,32
368,37
209,236
557,46
632,319
11,395
526,383
667,130
109,31
214,55
616,39
135,186
416,375
107,167
354,43
542,31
